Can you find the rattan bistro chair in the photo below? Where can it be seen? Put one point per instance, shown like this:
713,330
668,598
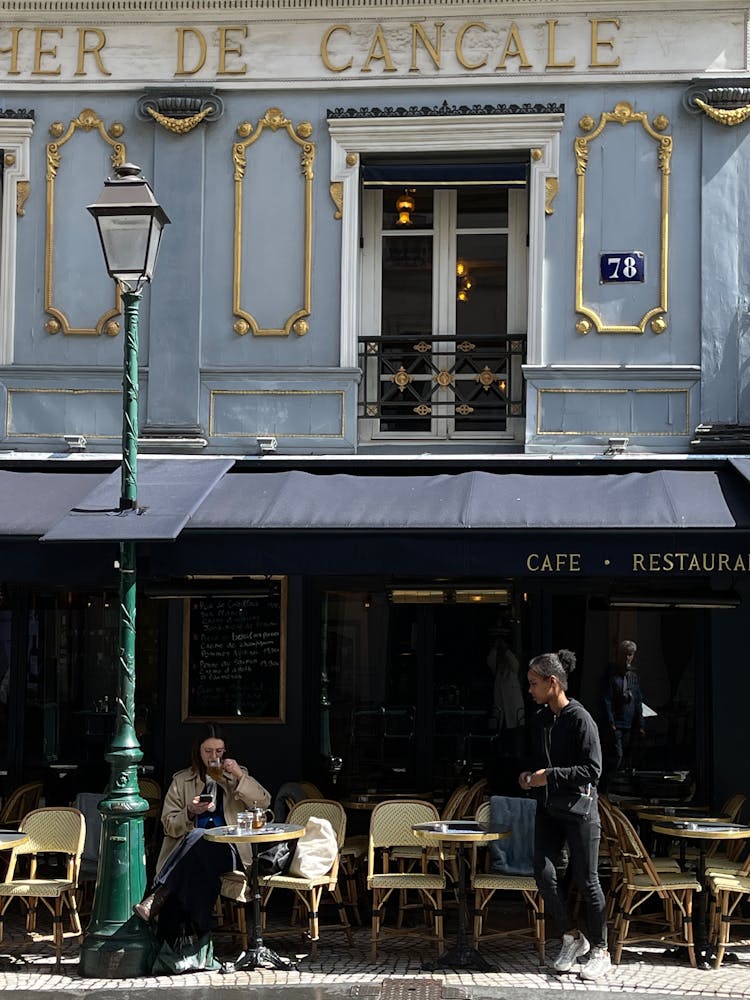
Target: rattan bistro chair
486,883
309,891
20,802
57,830
672,894
391,825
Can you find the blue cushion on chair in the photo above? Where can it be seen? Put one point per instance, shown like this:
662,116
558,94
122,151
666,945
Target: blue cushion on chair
513,855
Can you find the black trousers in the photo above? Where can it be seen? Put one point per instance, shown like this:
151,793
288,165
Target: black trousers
194,883
582,837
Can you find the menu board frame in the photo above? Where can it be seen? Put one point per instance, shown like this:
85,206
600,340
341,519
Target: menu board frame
191,712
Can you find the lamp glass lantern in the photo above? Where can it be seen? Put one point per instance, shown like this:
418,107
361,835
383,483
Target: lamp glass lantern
130,221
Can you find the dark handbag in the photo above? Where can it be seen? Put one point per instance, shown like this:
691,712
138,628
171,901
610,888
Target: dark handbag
188,953
563,804
275,859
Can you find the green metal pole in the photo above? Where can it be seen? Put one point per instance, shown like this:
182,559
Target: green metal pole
117,944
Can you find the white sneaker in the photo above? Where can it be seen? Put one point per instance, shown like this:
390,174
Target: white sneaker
597,967
572,949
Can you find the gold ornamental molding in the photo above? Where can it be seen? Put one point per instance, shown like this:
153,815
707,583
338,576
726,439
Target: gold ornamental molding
337,197
180,111
87,121
726,102
623,115
274,120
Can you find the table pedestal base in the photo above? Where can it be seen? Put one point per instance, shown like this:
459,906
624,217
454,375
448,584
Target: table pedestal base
254,958
461,956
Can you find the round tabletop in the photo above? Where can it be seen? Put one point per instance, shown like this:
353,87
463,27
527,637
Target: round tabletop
656,816
703,830
12,838
265,835
451,831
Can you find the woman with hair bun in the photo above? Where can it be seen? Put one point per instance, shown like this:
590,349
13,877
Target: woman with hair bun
567,756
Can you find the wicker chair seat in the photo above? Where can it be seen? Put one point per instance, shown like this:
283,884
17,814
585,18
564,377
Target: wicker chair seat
667,880
296,882
37,887
496,880
405,880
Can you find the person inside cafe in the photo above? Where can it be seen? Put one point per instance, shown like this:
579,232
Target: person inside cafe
508,706
623,709
567,765
207,794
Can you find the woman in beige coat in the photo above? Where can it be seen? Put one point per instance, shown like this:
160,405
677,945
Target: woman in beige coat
189,868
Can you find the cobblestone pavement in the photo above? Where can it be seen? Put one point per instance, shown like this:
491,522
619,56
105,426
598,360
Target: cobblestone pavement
28,965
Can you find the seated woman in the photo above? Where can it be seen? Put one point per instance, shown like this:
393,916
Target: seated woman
207,794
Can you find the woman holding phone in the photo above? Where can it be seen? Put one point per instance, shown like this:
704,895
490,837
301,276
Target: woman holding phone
207,794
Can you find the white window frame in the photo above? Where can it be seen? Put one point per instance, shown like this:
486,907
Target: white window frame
15,141
352,137
444,232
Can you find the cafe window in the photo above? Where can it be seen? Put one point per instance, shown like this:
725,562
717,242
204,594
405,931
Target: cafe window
58,666
444,305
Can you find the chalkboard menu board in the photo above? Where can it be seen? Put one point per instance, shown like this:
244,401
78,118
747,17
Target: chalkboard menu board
234,648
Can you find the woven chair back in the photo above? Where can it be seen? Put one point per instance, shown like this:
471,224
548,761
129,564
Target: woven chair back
322,809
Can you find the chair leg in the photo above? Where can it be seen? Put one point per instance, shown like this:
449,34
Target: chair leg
341,907
478,915
375,929
75,918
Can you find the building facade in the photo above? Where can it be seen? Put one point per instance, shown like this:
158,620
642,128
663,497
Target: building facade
445,345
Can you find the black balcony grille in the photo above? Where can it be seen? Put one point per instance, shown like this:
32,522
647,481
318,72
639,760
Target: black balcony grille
474,384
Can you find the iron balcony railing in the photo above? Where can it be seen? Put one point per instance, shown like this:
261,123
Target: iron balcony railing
473,384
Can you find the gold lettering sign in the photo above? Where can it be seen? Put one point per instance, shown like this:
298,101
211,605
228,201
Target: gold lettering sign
554,562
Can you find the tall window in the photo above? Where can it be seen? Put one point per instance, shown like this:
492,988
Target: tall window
518,135
444,303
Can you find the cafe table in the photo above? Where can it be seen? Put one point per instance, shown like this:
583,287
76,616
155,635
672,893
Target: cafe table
271,833
704,832
12,838
459,834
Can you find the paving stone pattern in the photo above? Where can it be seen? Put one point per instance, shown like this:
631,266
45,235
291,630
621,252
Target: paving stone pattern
28,964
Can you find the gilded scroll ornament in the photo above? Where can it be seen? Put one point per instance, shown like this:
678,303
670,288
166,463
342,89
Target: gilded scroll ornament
337,197
551,190
623,115
23,190
275,121
87,121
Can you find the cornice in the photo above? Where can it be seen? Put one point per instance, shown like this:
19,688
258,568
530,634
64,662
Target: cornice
48,9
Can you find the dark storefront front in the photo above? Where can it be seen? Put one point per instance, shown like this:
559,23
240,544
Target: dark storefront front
387,615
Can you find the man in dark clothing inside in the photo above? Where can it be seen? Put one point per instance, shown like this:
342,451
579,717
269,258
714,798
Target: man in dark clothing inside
623,709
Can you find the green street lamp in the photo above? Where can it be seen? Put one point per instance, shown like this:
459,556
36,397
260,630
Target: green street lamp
117,944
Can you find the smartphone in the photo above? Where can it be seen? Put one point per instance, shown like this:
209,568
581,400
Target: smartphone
205,797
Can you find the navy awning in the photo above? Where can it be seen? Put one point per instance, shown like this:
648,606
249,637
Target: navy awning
169,491
443,174
296,501
201,495
31,502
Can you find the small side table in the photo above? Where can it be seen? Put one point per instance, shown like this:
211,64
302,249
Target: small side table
259,954
462,834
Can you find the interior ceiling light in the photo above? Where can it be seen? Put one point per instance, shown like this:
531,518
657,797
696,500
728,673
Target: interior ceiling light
405,205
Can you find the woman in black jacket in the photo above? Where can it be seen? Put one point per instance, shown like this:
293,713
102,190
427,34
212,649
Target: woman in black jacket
568,760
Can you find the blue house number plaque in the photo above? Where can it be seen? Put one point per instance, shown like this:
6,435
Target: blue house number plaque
627,266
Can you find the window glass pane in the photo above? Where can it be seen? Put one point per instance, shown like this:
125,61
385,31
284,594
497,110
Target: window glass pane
406,310
482,369
482,207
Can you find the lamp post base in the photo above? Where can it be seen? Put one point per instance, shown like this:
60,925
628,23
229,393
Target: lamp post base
126,953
